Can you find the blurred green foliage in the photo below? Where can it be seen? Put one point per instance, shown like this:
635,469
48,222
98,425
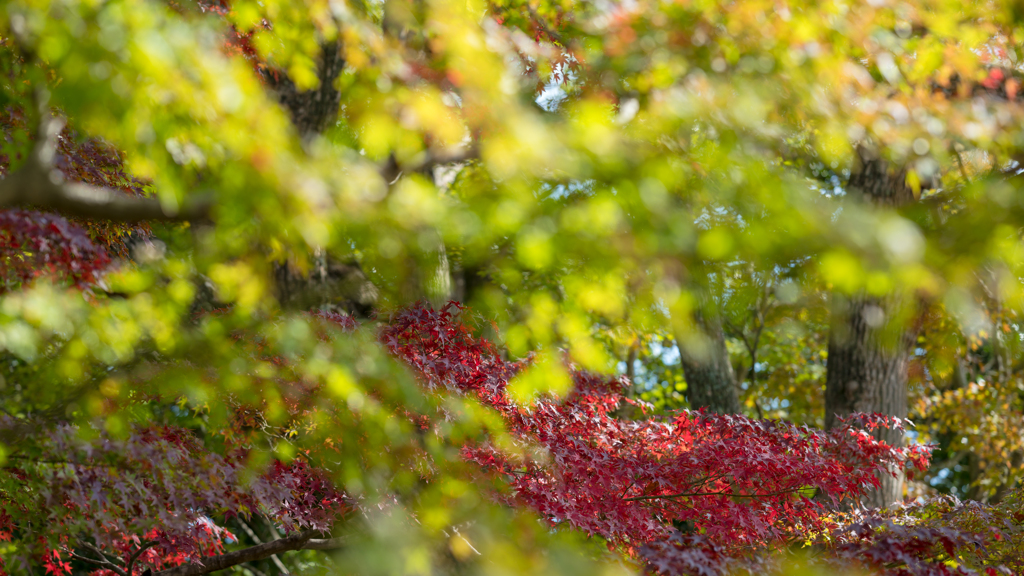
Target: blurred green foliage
614,158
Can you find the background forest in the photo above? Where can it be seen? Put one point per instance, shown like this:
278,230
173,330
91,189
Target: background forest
511,287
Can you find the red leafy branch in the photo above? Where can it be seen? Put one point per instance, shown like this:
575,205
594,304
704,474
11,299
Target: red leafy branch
34,244
743,483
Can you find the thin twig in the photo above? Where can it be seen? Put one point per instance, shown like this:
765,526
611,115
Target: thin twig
104,562
551,34
252,569
273,557
691,494
960,163
135,556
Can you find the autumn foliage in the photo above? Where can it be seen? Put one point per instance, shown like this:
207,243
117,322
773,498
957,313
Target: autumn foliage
34,244
695,493
614,187
746,483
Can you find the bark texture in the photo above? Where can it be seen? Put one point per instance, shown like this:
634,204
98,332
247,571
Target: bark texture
867,372
312,111
868,354
330,284
877,182
296,541
710,380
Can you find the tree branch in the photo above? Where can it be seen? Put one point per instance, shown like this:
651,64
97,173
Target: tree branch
391,171
690,494
252,534
38,184
298,541
960,163
104,562
135,556
324,544
537,20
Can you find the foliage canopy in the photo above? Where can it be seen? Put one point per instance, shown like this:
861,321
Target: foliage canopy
221,221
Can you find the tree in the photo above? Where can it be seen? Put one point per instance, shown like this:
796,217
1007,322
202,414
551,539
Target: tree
867,351
711,381
744,484
261,172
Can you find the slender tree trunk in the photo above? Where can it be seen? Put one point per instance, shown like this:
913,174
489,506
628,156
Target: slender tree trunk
438,283
868,352
710,381
627,411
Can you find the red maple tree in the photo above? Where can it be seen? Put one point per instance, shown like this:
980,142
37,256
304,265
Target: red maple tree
696,493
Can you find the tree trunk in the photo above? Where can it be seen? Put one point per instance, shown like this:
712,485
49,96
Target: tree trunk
330,285
710,382
868,353
867,372
626,410
312,111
